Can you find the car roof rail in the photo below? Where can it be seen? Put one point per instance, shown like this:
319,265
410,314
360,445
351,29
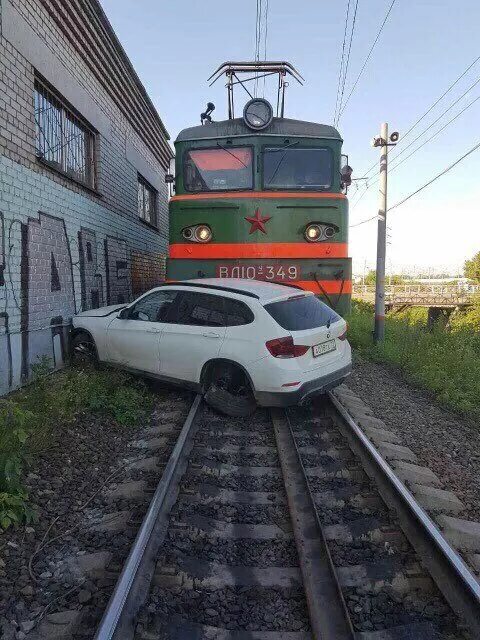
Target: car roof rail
293,286
199,285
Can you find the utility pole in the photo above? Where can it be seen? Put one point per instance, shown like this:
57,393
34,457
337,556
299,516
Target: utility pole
383,142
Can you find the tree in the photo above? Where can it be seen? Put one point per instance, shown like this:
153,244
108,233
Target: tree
472,268
371,277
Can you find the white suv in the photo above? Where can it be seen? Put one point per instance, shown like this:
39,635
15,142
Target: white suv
239,342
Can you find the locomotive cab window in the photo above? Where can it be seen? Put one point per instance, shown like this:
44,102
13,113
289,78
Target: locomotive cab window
218,169
293,168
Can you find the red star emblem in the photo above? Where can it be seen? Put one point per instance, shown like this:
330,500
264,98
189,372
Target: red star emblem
257,222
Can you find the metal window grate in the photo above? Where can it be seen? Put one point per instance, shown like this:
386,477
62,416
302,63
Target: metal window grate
146,202
63,141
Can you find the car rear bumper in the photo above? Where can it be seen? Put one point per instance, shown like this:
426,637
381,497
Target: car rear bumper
307,390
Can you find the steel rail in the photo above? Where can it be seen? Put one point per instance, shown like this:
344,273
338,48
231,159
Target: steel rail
159,507
449,572
328,613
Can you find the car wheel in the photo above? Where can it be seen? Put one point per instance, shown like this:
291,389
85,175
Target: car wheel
229,391
84,350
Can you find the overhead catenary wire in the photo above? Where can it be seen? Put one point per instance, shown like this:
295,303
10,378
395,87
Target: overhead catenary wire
344,106
265,42
347,61
258,37
342,58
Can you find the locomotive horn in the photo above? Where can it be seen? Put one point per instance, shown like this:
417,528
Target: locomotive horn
206,114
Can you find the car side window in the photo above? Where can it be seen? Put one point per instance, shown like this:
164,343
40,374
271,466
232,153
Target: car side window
199,309
153,308
237,313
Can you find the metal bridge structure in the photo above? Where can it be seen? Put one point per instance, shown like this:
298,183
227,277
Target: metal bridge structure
438,296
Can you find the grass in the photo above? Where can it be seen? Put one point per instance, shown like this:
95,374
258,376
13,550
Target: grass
29,418
444,361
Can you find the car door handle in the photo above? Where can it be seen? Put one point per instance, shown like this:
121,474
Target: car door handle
152,330
211,334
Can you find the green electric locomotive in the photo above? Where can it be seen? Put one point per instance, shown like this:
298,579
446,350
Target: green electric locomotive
261,196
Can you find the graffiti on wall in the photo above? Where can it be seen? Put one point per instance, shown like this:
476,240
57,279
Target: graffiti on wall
47,289
91,280
117,267
42,283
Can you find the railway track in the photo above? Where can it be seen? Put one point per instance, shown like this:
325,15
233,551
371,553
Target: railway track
277,527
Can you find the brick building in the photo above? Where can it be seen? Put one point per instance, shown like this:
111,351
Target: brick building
83,157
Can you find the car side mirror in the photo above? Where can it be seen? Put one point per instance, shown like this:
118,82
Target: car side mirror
123,314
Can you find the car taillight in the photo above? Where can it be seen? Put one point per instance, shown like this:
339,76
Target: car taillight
285,348
343,336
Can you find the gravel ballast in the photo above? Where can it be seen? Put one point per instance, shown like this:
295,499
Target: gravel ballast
67,483
447,443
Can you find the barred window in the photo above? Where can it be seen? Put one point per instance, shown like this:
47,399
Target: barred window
63,140
147,197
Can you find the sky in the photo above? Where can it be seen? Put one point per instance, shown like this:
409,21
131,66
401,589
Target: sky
424,46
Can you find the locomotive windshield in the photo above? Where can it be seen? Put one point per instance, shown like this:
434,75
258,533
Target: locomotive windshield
219,169
293,168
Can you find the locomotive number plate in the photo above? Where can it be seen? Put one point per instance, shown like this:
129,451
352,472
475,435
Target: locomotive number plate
323,347
277,272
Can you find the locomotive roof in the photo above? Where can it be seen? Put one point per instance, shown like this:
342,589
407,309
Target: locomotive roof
278,127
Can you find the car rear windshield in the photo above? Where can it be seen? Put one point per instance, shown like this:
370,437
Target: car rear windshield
301,312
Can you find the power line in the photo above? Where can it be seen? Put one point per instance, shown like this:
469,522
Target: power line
366,60
432,137
363,222
345,72
455,102
442,173
341,62
427,184
454,83
361,196
441,97
422,145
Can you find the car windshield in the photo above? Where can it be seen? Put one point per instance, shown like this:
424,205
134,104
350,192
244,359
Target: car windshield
302,312
219,169
293,168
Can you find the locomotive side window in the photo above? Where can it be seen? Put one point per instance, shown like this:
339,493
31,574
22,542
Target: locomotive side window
219,169
293,168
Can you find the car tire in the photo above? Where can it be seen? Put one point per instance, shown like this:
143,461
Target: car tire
84,350
222,393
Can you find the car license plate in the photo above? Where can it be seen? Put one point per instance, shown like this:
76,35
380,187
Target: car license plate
323,347
277,272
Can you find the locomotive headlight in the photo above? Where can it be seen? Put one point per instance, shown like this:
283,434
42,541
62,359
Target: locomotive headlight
203,233
313,232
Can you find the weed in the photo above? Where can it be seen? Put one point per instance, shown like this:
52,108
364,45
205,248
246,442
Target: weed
443,361
15,423
30,416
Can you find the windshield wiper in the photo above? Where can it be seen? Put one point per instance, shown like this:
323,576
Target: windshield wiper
281,159
232,154
329,321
